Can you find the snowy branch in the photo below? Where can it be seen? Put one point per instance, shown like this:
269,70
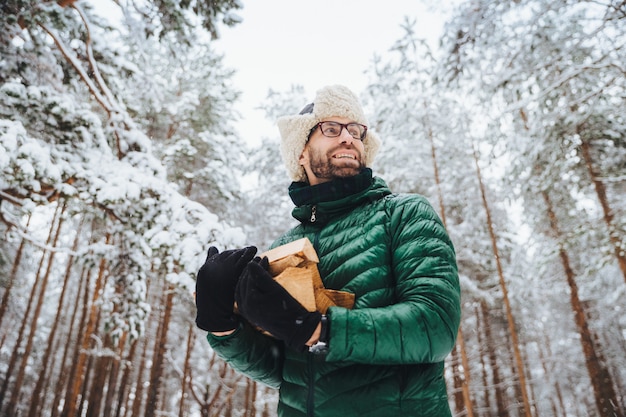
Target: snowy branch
92,62
79,69
24,233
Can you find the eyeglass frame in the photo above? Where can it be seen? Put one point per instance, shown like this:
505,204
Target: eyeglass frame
343,126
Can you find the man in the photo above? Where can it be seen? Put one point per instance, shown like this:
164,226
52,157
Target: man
384,357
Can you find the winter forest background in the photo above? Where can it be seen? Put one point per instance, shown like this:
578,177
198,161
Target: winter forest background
121,166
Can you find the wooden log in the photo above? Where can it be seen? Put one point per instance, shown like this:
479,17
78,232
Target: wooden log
297,282
301,248
294,266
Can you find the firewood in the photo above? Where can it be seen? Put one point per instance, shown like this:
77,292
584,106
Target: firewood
279,265
340,298
297,282
301,248
294,266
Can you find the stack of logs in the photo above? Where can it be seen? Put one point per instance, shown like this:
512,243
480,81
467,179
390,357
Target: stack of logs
294,266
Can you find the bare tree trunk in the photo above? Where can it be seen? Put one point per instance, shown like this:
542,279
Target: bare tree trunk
95,394
186,370
601,379
509,314
266,407
532,397
80,409
619,247
247,398
22,330
484,356
17,387
156,373
122,396
455,360
139,396
112,387
46,390
461,383
501,403
63,386
251,407
71,401
7,290
138,400
37,394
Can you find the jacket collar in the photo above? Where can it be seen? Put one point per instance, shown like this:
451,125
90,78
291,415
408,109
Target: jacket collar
335,197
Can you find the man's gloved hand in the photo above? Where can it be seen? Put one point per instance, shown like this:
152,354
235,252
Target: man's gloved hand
215,288
266,304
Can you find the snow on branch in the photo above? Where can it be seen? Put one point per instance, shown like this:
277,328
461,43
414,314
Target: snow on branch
156,231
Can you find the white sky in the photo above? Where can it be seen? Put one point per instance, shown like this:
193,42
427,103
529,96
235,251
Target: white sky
312,43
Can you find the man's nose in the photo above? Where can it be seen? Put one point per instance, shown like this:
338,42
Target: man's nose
345,136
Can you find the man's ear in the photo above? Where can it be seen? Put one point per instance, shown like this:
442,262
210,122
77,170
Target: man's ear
304,157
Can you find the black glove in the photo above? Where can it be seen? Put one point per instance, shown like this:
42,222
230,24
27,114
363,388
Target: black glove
266,304
215,288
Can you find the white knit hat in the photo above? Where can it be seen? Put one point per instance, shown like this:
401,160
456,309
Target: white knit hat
331,101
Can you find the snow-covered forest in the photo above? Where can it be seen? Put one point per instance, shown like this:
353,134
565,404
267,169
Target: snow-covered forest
120,165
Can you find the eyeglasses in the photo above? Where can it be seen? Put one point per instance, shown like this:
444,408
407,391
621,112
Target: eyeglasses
333,129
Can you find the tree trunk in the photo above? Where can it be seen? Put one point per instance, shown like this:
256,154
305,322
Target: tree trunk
484,355
64,384
112,387
186,371
122,396
455,360
25,353
502,409
80,408
37,394
619,247
138,400
266,406
601,379
156,373
505,295
139,396
97,389
22,330
7,291
248,399
71,401
50,380
461,382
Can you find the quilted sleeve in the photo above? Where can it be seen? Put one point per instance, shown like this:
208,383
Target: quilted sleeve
251,353
421,326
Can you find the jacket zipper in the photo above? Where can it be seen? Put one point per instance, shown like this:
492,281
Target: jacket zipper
310,404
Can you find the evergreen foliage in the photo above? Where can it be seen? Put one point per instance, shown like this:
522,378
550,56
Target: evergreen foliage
120,165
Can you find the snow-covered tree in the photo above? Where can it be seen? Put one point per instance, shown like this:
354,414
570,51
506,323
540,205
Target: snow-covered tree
102,204
551,77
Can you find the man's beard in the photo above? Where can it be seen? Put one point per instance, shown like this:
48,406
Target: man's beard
322,166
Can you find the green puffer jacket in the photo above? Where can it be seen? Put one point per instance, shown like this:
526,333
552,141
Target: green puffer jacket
386,355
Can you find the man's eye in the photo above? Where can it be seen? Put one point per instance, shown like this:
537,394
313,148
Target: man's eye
332,128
